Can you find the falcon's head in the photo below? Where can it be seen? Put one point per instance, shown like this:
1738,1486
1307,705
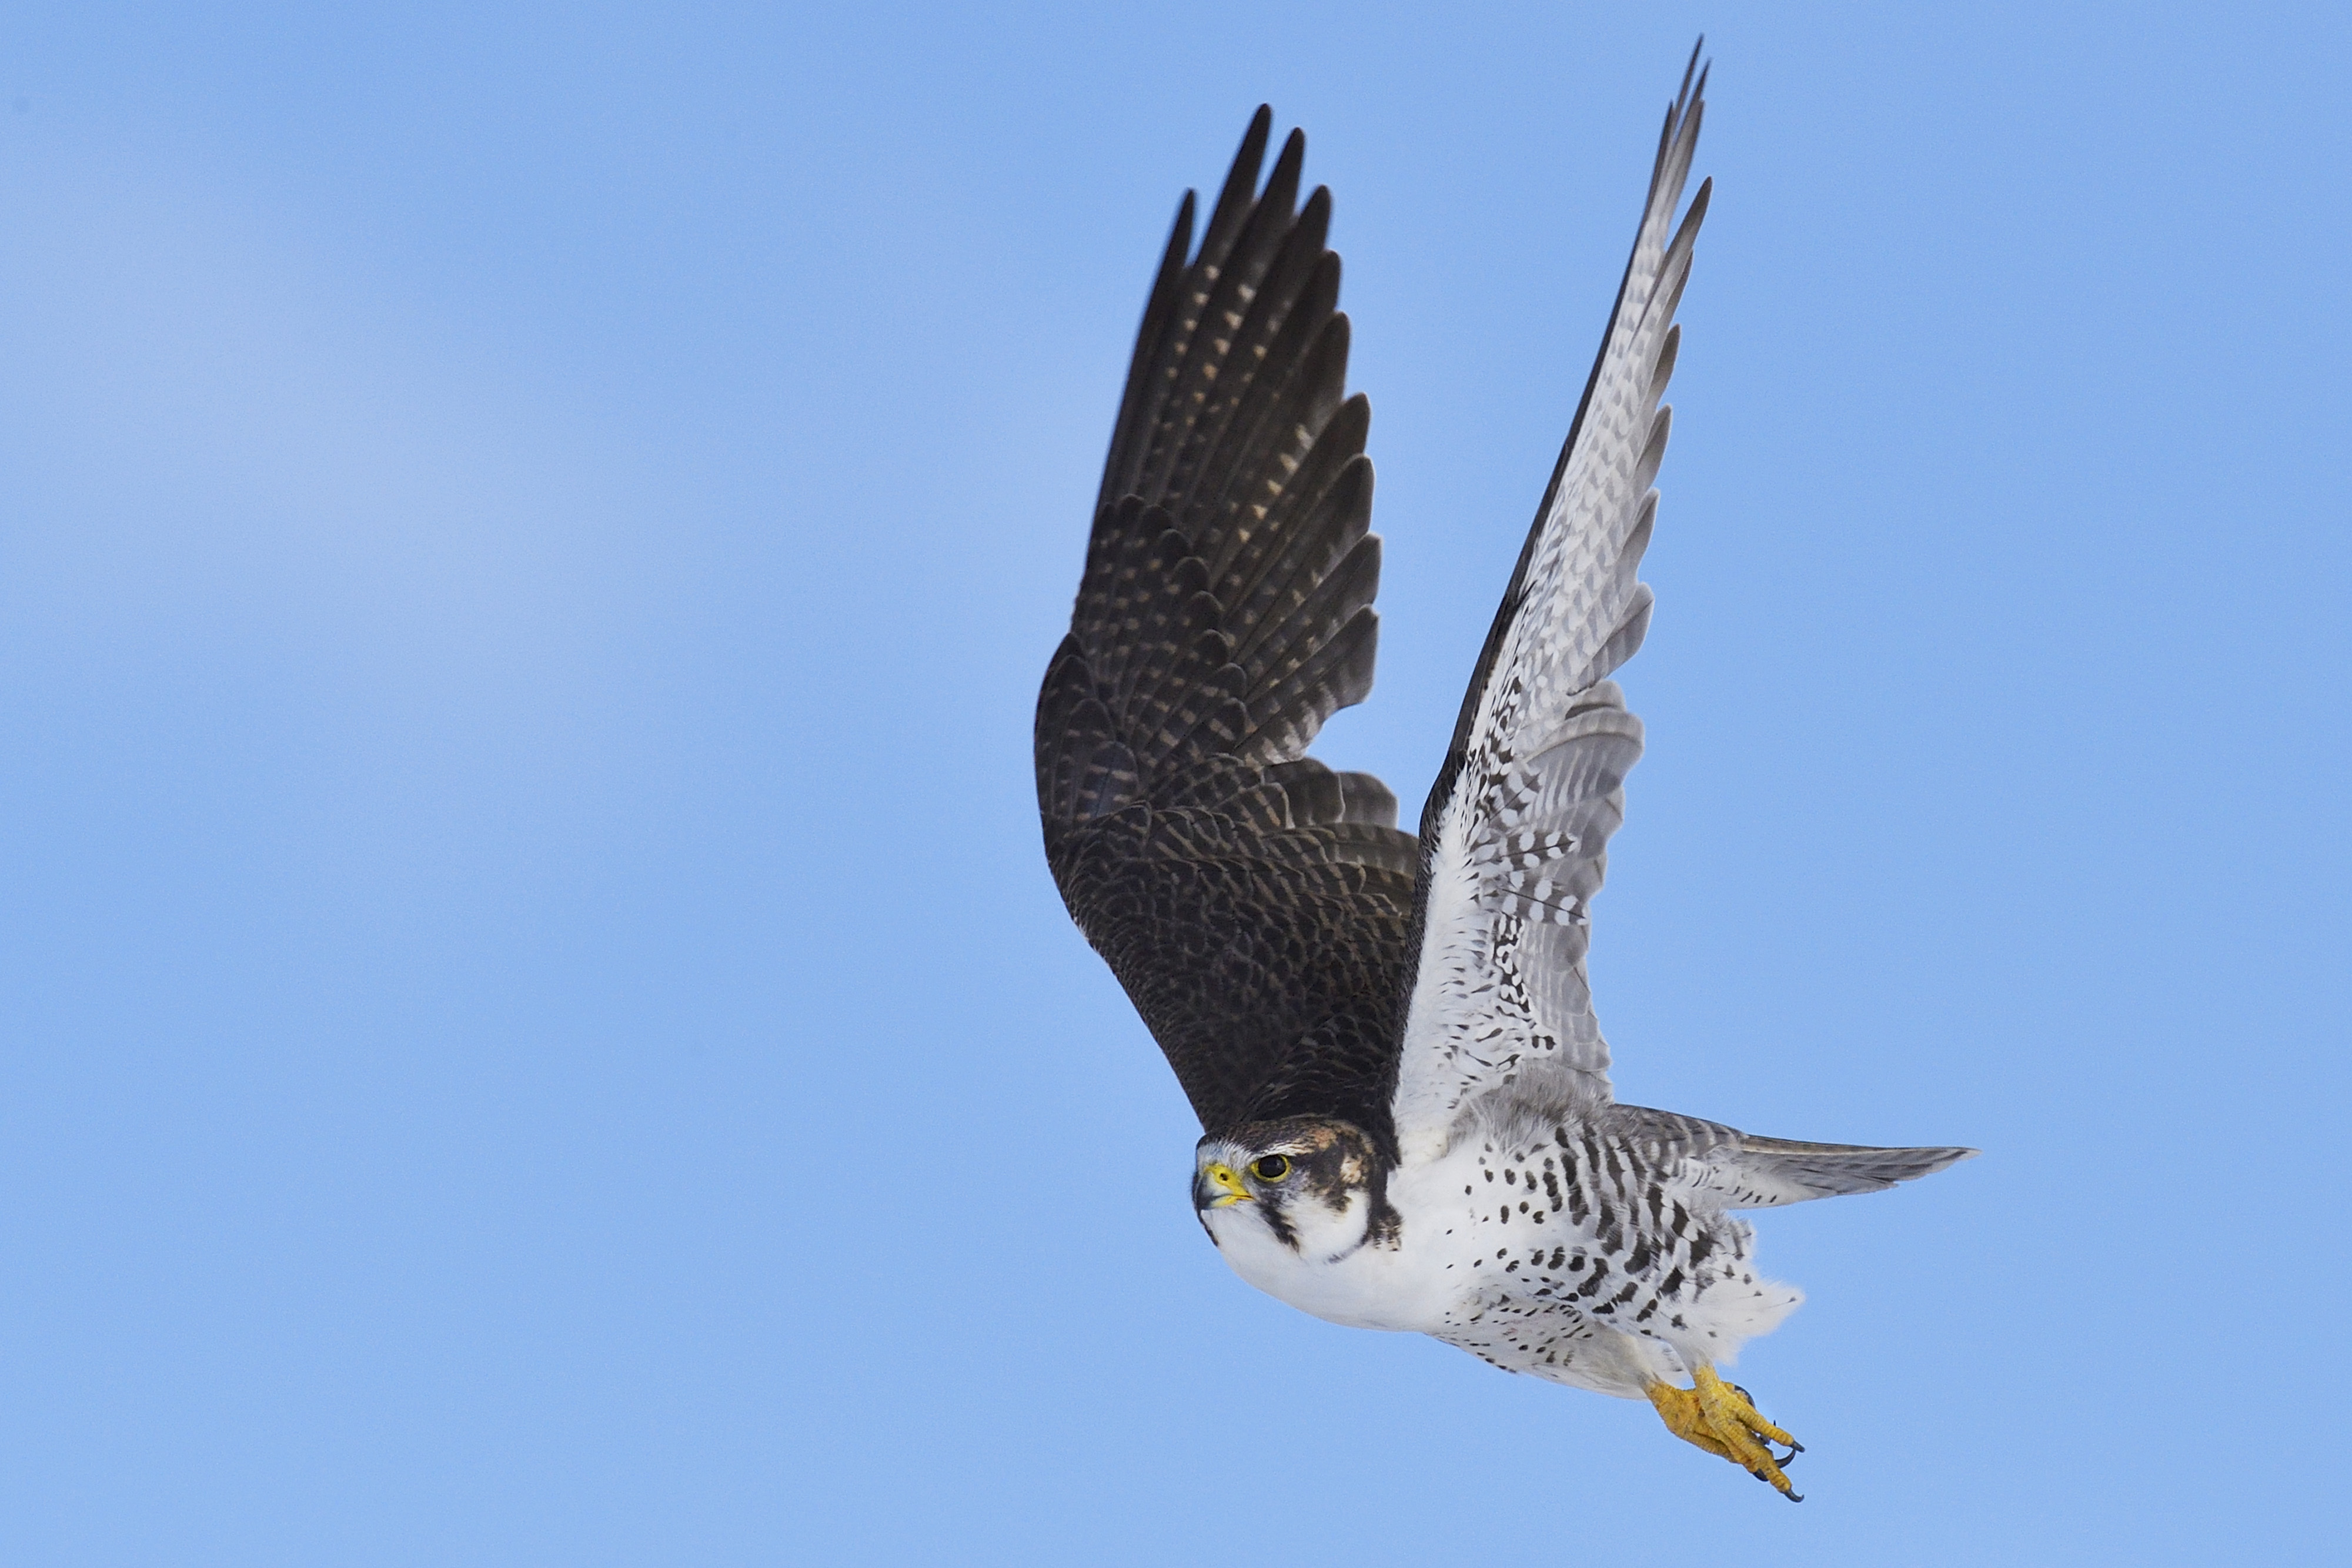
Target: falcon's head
1316,1188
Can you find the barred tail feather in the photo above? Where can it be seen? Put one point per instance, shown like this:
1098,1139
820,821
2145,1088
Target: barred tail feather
1769,1172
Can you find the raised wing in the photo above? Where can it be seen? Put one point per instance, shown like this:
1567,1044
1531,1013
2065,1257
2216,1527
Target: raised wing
1515,837
1256,904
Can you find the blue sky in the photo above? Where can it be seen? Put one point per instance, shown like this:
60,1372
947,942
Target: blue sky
537,1030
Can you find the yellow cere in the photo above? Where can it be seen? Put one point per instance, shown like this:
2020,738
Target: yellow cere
1228,1183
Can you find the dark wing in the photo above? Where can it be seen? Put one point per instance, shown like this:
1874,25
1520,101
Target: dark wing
1254,902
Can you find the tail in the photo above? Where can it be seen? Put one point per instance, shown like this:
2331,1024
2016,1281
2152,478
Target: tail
1769,1172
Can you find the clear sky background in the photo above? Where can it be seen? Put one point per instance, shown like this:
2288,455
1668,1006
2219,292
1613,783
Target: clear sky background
535,1028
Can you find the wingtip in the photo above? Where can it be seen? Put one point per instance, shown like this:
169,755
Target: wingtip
1693,76
1288,163
1251,154
1240,188
1688,109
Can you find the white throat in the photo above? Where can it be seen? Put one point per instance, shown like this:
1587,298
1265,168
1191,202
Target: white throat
1333,1271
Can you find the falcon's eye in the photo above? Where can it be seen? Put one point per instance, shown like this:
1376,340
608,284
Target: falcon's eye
1274,1167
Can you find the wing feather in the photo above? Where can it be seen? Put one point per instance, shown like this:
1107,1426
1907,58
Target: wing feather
1515,834
1256,904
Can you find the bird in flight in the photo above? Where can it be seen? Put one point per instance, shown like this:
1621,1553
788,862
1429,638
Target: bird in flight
1387,1036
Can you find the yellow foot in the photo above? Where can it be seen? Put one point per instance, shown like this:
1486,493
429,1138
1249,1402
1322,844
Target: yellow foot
1717,1416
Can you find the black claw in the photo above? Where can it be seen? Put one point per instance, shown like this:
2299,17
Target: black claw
1744,1395
1794,1496
1796,1445
1785,1460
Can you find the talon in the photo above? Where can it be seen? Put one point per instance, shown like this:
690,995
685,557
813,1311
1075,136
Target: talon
1721,1419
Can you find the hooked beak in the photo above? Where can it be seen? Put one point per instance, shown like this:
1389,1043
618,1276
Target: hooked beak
1218,1185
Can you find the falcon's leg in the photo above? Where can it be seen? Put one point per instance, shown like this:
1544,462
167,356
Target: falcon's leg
1717,1416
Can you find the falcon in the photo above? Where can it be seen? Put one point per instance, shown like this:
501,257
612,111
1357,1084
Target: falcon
1387,1036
